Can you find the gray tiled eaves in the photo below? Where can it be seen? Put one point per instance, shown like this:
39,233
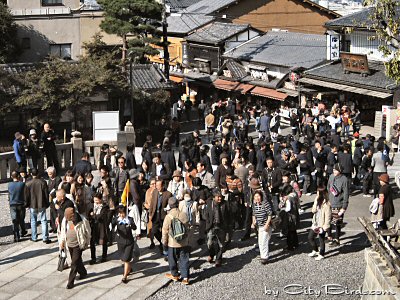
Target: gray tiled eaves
209,6
216,32
334,73
361,19
148,77
185,23
288,49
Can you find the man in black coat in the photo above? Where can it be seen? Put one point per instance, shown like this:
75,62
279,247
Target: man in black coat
168,157
216,151
159,169
272,180
321,157
346,161
61,204
220,173
49,147
217,224
261,157
120,176
83,166
52,185
130,157
335,139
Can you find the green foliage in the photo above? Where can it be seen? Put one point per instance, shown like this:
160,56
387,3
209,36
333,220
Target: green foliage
135,21
57,84
8,31
385,20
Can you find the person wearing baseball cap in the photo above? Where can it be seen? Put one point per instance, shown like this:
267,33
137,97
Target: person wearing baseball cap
386,200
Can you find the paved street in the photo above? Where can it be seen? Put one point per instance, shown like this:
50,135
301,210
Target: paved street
243,277
28,270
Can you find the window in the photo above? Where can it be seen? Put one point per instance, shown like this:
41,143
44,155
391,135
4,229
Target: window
26,43
52,2
61,50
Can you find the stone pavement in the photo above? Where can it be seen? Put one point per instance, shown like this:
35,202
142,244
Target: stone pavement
29,270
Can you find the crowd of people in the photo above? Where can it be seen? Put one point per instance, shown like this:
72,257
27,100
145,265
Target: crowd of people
237,184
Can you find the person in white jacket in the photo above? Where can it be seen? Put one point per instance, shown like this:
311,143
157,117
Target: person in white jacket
75,236
176,185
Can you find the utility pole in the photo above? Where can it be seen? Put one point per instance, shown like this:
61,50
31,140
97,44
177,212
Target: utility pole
165,40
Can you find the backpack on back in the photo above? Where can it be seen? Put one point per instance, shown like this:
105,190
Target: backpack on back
178,229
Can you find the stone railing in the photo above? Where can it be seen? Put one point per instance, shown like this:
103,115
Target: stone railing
93,148
8,163
69,153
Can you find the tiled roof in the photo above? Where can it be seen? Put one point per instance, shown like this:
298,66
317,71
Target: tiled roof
287,49
359,19
183,24
209,6
148,77
177,5
13,70
216,32
333,72
237,70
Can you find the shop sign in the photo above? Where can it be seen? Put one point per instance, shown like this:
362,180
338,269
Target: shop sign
185,55
227,73
333,46
294,77
356,63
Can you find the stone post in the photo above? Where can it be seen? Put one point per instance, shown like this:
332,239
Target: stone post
126,137
77,146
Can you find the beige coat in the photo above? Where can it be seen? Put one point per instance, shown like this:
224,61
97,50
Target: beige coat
166,238
209,120
326,212
83,233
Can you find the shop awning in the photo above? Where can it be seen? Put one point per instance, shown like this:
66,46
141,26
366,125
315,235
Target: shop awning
346,88
291,93
232,86
268,93
176,79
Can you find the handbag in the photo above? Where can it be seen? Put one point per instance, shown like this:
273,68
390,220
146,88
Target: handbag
135,251
276,223
61,260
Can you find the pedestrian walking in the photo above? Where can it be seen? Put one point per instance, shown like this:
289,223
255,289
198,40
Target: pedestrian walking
16,191
338,191
262,215
175,241
38,202
321,223
217,225
125,240
75,237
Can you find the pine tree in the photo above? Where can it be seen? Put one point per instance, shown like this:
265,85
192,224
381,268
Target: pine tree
8,31
385,17
136,22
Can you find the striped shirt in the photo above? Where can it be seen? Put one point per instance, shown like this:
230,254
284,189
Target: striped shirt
261,211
